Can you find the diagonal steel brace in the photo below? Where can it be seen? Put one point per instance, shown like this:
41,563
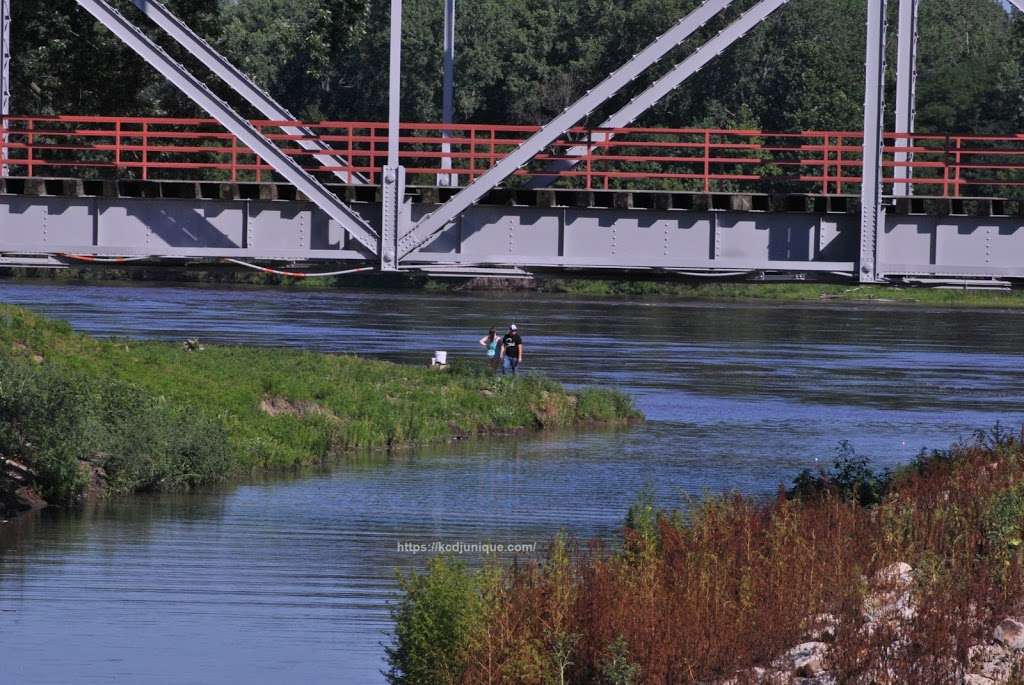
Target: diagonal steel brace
188,84
434,223
243,85
662,87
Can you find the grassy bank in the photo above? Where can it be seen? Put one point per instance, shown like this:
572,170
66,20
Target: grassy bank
157,416
681,290
724,591
786,292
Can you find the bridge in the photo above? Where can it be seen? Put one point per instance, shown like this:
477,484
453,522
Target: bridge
329,198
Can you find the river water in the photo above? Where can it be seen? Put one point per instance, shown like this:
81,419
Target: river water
290,580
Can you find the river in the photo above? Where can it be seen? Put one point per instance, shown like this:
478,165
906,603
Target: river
289,580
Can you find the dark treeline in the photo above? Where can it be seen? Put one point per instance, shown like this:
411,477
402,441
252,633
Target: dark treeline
521,61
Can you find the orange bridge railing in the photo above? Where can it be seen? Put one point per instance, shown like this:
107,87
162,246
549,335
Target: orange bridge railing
705,160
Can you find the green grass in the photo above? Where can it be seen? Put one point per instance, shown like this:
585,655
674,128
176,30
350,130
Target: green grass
688,290
269,408
787,292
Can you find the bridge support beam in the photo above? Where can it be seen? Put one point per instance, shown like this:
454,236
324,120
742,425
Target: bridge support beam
906,91
5,81
192,87
662,87
431,225
243,85
872,220
393,191
448,96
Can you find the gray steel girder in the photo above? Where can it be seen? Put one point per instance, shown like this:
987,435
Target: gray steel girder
448,96
503,237
663,86
872,221
242,84
431,225
231,120
906,91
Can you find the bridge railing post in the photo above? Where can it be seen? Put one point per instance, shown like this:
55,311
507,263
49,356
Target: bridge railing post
145,150
30,162
958,182
707,161
117,145
348,151
234,159
590,160
946,178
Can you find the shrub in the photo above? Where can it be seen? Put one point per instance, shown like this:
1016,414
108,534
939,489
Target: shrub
439,614
851,479
46,422
63,422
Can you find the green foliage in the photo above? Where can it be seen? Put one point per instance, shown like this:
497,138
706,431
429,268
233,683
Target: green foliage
619,668
641,523
65,424
1004,525
440,612
523,61
851,479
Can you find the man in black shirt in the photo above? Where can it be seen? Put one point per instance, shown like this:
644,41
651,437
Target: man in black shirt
511,351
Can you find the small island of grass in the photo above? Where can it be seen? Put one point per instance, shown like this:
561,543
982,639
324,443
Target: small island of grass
80,415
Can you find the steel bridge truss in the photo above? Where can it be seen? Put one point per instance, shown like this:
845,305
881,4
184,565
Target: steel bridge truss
394,234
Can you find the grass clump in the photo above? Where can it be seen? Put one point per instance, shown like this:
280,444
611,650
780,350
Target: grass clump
731,584
158,416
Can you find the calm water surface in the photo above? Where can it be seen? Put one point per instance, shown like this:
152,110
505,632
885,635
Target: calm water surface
289,580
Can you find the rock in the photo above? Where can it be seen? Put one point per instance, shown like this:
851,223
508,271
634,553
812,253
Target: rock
990,661
822,628
1010,634
900,574
975,679
275,405
808,660
821,679
883,607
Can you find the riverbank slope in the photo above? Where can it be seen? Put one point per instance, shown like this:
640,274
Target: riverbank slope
79,416
582,287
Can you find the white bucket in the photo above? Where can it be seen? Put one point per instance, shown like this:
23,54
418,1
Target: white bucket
441,358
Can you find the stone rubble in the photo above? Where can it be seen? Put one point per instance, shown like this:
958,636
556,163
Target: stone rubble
892,604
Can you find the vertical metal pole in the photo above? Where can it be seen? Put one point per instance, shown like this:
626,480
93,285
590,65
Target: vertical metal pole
906,91
5,80
395,83
393,190
448,98
872,213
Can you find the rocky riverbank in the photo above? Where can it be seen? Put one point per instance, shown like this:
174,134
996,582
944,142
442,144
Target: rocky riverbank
850,576
890,608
